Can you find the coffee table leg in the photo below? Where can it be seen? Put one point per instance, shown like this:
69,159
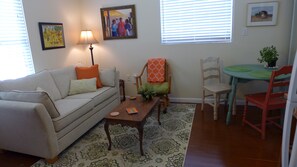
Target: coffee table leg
140,131
107,134
159,110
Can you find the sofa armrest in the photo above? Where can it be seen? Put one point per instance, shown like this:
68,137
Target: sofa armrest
27,128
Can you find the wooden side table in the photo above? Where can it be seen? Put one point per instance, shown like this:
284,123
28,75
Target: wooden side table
122,90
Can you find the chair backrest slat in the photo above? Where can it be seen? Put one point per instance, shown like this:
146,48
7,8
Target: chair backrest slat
274,83
210,69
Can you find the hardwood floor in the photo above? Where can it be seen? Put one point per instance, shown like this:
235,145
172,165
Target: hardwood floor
212,144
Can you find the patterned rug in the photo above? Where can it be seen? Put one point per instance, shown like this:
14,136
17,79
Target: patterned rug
163,145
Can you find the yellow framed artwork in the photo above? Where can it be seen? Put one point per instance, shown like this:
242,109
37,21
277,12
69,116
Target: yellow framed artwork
51,35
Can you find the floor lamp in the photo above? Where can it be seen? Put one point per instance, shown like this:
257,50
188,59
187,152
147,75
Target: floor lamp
86,37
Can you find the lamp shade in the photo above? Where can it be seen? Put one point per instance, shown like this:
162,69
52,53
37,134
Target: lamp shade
86,37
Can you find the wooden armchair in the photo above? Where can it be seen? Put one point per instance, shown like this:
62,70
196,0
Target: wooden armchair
161,87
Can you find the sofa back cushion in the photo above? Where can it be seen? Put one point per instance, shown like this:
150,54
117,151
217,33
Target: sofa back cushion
62,78
34,97
42,79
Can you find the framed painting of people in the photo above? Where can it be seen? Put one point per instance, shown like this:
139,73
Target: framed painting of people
51,35
119,22
262,14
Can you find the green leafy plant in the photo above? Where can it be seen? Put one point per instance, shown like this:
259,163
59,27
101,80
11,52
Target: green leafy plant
147,92
268,55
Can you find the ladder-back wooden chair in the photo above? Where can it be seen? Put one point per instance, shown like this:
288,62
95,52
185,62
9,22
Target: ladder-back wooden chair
158,76
211,83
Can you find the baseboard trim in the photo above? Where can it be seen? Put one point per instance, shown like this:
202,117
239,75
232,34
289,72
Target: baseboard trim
195,100
198,100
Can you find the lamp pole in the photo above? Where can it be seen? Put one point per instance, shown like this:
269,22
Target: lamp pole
91,49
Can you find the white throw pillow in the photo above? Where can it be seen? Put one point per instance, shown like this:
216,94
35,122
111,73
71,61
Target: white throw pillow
82,86
107,76
34,97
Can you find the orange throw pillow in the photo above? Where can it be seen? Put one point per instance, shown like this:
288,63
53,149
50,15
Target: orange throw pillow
89,72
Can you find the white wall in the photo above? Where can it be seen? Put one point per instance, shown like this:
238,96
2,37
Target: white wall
66,12
130,55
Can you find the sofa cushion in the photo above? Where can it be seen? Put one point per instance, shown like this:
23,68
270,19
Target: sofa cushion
70,110
82,86
34,97
107,76
62,78
98,97
29,83
100,110
89,72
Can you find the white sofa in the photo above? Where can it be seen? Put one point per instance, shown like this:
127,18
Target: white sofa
29,122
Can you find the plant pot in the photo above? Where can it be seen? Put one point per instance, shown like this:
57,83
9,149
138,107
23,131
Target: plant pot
271,64
146,97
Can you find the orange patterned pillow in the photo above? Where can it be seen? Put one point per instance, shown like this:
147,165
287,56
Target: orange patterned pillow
156,70
89,72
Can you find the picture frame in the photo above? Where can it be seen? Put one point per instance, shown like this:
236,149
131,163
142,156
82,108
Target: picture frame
262,14
51,35
119,22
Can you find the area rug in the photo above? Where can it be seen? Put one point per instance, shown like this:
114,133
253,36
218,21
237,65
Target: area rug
164,145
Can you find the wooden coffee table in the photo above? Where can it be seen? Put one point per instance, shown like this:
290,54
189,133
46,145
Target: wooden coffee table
132,120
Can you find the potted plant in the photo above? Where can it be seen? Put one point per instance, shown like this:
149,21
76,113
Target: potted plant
147,92
269,55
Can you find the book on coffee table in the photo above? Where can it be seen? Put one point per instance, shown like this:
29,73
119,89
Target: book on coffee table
131,110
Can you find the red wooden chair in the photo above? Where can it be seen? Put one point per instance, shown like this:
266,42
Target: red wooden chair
273,99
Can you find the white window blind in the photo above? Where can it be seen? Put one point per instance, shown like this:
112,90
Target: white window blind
196,21
15,52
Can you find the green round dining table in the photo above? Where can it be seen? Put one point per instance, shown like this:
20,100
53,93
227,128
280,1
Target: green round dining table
244,73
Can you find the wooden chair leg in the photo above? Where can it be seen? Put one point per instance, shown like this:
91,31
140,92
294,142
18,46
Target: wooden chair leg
244,112
215,107
226,102
203,98
263,124
219,101
52,160
167,100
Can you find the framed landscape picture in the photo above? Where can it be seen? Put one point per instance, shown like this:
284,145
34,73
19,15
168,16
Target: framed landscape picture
51,35
119,22
262,14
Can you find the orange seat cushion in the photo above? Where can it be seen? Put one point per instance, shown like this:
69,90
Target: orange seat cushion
89,72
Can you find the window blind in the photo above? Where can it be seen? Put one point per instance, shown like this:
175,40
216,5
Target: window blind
196,21
15,52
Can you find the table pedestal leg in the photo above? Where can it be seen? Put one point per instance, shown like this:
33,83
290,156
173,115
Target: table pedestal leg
107,134
231,99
